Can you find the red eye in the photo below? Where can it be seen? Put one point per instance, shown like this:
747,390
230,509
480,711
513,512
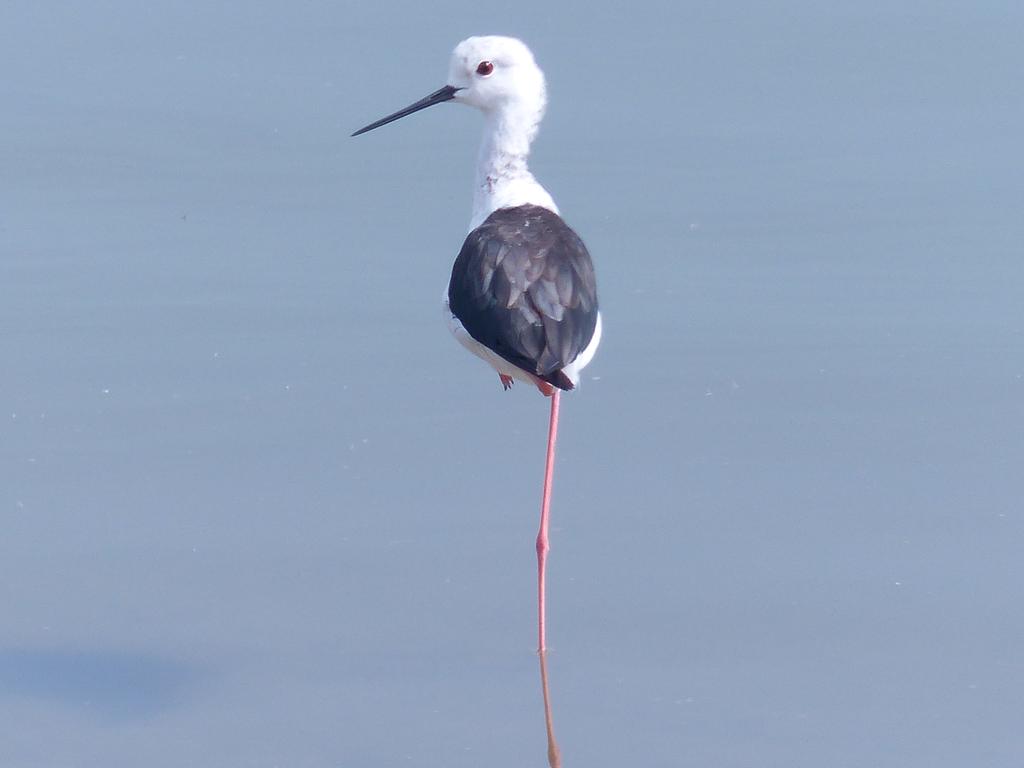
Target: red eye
484,68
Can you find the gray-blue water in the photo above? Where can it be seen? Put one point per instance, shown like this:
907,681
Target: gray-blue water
258,509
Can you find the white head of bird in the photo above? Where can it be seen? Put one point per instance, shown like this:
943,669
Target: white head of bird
498,76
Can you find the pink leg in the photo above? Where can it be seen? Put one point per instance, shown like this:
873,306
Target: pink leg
542,536
554,754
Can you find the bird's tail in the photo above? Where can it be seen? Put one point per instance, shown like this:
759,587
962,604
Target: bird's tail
558,379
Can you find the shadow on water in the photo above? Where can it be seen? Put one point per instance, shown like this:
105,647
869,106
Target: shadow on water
114,684
554,754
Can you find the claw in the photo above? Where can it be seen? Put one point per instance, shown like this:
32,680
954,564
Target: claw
506,381
545,389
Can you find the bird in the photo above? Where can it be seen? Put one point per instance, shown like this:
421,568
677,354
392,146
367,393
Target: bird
522,294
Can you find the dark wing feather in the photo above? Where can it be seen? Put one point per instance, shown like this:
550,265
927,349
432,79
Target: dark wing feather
523,286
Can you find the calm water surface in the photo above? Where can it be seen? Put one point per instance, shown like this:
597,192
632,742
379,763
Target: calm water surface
259,510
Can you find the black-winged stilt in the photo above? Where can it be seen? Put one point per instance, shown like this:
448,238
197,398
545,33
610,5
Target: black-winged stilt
522,293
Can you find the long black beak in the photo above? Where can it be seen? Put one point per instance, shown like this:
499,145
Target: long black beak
444,94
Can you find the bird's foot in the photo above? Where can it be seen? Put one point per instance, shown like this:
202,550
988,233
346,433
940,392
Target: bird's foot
506,381
545,389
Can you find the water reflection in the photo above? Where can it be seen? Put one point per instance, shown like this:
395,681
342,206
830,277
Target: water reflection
112,683
554,754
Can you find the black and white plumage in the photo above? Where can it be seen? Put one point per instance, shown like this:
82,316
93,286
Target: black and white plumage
522,293
523,287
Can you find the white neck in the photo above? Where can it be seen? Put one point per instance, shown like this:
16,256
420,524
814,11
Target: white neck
503,179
